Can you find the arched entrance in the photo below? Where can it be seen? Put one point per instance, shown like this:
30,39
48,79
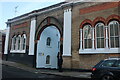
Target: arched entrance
48,48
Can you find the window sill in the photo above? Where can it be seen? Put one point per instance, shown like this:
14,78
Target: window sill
17,51
49,47
101,50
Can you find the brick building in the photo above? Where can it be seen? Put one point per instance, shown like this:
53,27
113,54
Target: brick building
2,41
90,32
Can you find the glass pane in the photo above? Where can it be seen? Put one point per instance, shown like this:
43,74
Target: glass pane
117,64
48,59
116,29
117,42
14,43
89,43
108,63
97,32
98,42
87,32
48,41
102,43
87,36
85,43
112,42
111,30
18,43
102,31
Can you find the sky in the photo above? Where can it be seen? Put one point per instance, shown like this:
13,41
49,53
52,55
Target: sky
8,11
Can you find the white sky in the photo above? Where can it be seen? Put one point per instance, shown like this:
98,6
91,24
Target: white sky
7,8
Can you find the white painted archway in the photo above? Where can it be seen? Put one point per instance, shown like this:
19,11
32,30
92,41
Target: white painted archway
47,52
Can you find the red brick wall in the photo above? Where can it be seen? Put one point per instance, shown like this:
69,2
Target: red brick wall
100,7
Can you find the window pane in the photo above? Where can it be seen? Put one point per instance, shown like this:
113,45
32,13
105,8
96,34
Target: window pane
89,43
108,63
112,42
102,43
116,29
87,32
100,35
87,36
85,43
111,30
117,64
114,34
18,43
98,42
102,31
117,42
48,41
14,42
97,31
47,59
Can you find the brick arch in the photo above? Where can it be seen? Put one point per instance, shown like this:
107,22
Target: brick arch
24,32
13,35
112,17
48,21
87,21
16,34
98,19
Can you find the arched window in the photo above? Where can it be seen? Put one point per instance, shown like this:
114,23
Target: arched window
87,36
48,59
18,42
23,42
13,46
48,42
114,35
99,31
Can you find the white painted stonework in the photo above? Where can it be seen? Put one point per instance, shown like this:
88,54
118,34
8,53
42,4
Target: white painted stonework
106,37
81,39
67,32
7,40
43,50
32,36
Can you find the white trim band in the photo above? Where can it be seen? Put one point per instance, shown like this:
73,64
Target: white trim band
104,50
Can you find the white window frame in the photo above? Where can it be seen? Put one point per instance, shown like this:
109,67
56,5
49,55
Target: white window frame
106,49
16,45
86,38
111,22
48,57
12,43
49,42
22,38
100,23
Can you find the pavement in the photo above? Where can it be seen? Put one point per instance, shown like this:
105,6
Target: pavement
48,71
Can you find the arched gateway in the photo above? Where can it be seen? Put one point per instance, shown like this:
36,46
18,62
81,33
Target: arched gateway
48,44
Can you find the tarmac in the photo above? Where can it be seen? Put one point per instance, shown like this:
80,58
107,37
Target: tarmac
69,73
